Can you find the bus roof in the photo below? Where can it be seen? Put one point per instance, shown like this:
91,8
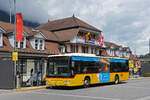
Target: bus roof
84,55
74,54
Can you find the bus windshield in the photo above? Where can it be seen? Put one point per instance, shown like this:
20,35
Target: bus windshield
58,67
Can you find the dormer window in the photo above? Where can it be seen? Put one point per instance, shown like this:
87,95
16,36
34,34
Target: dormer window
61,49
39,44
38,41
1,39
22,44
126,54
111,52
36,44
112,47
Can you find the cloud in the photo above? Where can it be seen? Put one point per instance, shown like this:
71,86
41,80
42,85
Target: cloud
125,22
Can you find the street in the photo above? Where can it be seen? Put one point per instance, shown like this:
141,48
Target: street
138,89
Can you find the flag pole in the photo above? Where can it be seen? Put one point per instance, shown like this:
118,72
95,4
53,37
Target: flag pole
15,79
10,11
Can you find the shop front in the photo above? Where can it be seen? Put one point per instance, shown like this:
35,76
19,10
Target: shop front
30,72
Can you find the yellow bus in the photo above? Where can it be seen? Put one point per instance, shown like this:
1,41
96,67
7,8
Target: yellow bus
85,69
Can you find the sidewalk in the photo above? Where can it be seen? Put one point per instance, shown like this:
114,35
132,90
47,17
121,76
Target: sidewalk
30,88
136,78
3,91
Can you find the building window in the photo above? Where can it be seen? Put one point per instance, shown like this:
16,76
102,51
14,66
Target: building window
96,51
127,54
92,50
36,44
120,54
117,52
39,44
112,52
62,48
101,53
74,48
108,51
22,44
84,49
22,66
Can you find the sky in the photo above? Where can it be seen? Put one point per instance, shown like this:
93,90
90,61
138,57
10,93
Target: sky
125,22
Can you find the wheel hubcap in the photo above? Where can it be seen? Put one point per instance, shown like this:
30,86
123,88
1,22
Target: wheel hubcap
116,81
86,82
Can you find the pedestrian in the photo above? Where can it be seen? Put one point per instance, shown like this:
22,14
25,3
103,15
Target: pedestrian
31,79
38,78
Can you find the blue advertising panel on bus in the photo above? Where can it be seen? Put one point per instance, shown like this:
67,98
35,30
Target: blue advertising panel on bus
74,58
117,60
104,77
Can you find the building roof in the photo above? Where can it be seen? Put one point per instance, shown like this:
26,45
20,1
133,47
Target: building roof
9,28
6,45
66,23
49,35
50,47
110,44
66,35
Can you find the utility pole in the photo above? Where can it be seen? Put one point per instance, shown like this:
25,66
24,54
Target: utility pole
15,79
10,11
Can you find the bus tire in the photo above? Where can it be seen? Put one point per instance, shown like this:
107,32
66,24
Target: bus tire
116,79
86,82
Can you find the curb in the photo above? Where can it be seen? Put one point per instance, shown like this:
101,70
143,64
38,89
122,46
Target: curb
134,79
138,78
30,88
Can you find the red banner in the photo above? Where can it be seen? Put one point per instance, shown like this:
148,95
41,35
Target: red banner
100,40
19,27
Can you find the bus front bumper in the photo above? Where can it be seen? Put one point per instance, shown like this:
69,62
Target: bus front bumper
58,83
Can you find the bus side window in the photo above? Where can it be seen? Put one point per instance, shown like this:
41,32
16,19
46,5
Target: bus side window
85,70
77,67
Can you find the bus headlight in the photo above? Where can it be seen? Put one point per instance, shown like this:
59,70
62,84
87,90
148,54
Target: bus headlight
67,82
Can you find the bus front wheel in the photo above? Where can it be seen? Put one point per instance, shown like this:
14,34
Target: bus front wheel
116,79
86,82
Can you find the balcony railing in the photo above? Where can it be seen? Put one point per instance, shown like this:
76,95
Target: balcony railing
83,41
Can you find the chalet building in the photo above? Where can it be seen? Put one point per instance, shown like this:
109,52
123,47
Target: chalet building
55,37
70,33
114,50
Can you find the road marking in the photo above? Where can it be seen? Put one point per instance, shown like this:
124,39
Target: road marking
79,96
144,98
